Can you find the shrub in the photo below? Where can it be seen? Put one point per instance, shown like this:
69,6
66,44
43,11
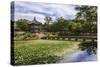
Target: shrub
24,36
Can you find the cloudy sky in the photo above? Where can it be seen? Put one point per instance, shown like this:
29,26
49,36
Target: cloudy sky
29,10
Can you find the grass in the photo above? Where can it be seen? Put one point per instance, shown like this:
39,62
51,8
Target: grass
40,51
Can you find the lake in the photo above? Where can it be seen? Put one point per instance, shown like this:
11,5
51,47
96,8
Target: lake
78,56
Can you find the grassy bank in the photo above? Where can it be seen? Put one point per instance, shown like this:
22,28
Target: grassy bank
40,51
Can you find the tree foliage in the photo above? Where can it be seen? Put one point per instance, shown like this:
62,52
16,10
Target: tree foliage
22,24
85,22
89,15
47,19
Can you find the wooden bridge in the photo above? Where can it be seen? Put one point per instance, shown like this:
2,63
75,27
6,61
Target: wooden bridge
75,38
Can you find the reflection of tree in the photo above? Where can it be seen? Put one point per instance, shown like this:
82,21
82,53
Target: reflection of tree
91,47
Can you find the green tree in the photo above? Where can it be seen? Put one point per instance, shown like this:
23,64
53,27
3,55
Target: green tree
60,25
78,29
22,24
47,24
72,26
89,15
47,19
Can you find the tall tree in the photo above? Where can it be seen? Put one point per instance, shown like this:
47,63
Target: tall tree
47,19
22,24
88,14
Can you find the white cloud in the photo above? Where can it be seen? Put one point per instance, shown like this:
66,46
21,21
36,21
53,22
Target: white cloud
30,16
28,10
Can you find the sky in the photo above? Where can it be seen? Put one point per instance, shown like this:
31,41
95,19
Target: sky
29,10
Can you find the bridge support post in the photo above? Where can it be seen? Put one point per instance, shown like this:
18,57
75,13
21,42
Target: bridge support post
69,38
84,40
92,40
57,38
63,38
76,39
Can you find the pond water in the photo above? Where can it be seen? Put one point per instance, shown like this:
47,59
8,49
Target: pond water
86,51
78,56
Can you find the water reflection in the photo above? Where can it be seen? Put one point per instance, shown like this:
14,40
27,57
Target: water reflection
90,47
81,56
78,56
86,52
